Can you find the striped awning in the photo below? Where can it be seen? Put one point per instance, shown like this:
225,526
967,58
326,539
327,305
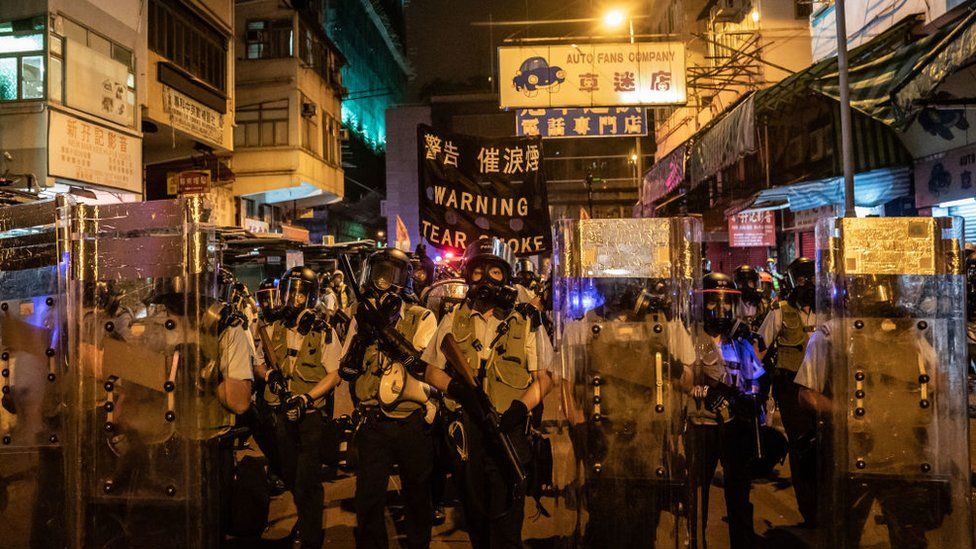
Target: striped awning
730,138
888,88
871,189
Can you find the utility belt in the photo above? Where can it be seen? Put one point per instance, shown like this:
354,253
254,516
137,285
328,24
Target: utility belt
372,413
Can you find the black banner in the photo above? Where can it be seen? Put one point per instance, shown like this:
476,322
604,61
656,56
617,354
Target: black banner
472,187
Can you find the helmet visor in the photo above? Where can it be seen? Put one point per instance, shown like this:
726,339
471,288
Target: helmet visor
295,293
386,275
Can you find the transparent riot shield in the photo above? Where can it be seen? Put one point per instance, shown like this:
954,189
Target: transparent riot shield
624,311
146,418
891,362
32,361
444,296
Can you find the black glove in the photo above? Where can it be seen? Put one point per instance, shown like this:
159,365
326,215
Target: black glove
719,396
306,322
464,394
8,404
276,382
296,406
514,417
351,365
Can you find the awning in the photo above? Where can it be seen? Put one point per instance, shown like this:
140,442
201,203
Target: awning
664,176
889,88
730,138
871,189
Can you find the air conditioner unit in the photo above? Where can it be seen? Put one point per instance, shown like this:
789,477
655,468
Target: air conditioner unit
731,10
328,239
308,110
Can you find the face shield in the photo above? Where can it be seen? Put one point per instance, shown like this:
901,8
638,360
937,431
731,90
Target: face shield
385,275
749,286
719,310
267,298
295,293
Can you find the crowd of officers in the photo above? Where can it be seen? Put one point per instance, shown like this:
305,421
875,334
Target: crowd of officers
313,331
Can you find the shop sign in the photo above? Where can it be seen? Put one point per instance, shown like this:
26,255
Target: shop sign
97,84
295,233
588,122
947,178
256,226
806,220
82,151
752,229
188,182
592,75
193,117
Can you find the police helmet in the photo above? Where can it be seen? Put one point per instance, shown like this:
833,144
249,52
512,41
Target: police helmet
299,288
388,270
486,252
719,297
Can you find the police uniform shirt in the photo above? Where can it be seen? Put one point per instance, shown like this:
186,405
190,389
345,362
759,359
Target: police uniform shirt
773,325
236,354
328,302
485,330
813,370
525,295
425,331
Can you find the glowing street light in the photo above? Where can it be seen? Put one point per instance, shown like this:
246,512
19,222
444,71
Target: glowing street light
614,18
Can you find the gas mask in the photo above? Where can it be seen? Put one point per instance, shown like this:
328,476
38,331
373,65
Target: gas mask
494,294
804,295
719,311
653,300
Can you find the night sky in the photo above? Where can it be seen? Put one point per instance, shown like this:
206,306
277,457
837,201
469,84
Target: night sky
442,43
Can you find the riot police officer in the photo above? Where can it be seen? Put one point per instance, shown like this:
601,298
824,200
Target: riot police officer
495,342
724,413
753,305
789,325
304,371
390,433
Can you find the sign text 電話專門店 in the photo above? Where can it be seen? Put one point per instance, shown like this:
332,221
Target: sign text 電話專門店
592,75
581,122
472,187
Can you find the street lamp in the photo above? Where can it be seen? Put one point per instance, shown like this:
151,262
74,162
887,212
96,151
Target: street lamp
380,234
614,18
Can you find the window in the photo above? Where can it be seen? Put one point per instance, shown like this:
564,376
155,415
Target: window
317,54
331,144
262,125
269,39
310,130
186,40
802,9
22,59
103,45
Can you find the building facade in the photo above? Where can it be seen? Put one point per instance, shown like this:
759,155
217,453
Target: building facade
287,143
71,87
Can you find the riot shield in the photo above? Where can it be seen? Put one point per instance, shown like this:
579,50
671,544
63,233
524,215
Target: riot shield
145,414
892,362
624,307
32,361
444,296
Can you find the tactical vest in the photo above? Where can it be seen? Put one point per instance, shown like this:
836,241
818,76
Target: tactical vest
367,385
307,370
792,339
506,375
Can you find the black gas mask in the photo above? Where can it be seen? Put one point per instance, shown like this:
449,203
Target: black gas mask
747,282
801,275
653,300
493,293
719,299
